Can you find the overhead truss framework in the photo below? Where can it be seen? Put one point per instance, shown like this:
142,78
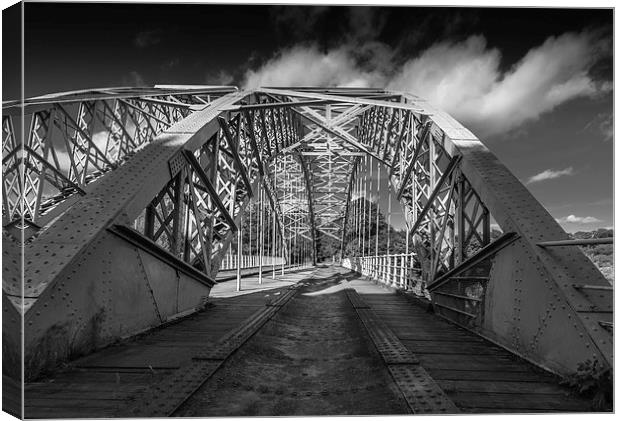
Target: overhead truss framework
125,201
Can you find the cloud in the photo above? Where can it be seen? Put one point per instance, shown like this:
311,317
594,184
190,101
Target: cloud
221,78
100,139
145,39
550,174
602,124
579,219
308,66
134,78
463,78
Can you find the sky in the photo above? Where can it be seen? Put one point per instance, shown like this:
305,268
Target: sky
535,85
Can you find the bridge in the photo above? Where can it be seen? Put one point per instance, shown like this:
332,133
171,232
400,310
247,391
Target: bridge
209,251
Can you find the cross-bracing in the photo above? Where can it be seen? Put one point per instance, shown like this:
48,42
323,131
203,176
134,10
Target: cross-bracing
115,192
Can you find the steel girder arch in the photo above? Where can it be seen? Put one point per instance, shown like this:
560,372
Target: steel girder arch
330,161
549,304
73,138
142,241
100,266
292,198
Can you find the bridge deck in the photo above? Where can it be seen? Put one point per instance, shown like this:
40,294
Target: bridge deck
477,375
100,384
313,356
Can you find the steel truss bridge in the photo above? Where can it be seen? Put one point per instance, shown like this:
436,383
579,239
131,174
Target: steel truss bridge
121,207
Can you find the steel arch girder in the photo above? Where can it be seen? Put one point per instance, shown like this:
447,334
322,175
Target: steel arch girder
536,299
531,281
77,286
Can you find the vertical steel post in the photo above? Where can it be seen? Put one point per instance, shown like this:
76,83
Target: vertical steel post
365,205
377,209
275,193
389,216
359,216
286,177
239,251
261,236
402,270
370,210
250,255
297,216
433,179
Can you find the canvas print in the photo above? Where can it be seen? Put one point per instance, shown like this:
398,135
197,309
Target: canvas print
225,210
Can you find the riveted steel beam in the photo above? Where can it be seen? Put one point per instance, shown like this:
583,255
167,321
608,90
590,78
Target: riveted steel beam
212,191
235,154
438,187
522,295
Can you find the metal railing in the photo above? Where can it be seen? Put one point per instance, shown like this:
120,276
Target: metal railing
248,261
395,270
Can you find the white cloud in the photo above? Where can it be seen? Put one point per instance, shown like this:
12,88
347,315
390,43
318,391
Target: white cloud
133,78
307,66
602,124
100,139
463,78
221,78
573,219
550,174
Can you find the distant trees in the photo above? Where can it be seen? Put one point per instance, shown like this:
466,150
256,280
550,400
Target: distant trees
354,247
398,238
602,255
327,247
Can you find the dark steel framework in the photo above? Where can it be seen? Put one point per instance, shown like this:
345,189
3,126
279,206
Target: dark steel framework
114,192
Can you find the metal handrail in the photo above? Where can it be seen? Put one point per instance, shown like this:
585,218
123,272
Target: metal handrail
577,242
392,269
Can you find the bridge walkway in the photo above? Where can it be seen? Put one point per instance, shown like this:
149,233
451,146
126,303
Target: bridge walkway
104,382
311,355
477,375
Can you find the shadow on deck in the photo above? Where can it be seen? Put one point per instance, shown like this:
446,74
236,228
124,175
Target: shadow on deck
476,375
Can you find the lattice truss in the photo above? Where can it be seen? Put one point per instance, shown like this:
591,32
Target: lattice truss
72,139
441,209
168,172
440,206
292,196
219,180
301,146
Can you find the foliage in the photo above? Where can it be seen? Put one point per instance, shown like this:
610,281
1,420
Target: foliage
370,245
593,381
602,255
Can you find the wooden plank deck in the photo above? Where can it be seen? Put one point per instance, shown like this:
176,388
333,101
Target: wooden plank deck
101,384
476,374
